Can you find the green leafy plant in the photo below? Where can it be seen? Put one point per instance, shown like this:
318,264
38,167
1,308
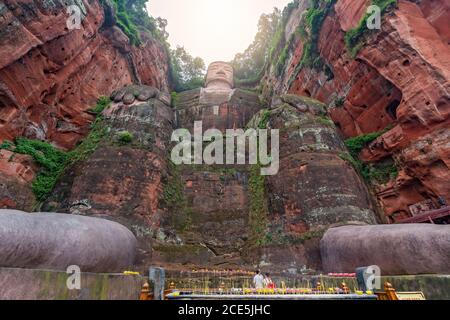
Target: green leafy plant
354,38
50,160
265,117
357,144
309,30
373,173
102,104
125,137
7,145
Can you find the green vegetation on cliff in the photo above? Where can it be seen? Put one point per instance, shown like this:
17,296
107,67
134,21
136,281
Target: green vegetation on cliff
249,66
373,173
132,17
52,161
265,118
175,200
186,72
378,173
258,218
278,42
354,38
357,144
98,131
258,215
125,23
309,31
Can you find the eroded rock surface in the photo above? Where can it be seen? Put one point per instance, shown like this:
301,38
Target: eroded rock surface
50,76
314,188
399,80
123,178
56,241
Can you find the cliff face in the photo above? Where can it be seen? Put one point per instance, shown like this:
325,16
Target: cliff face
398,81
51,76
227,215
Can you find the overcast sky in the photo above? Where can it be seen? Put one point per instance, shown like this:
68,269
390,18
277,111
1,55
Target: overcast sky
212,29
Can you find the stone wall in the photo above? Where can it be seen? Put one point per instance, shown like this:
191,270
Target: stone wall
27,284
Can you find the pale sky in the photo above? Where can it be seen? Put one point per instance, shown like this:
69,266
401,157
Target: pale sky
212,29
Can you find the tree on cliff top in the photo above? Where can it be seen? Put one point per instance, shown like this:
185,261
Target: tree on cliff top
132,16
248,65
187,72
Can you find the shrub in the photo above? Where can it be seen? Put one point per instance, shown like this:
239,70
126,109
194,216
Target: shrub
265,117
357,144
7,145
125,137
372,173
102,104
50,160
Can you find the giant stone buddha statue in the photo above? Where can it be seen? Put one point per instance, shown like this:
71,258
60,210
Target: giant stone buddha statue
217,104
220,76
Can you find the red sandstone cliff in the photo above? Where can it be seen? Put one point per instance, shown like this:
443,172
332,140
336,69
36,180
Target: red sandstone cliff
400,79
51,76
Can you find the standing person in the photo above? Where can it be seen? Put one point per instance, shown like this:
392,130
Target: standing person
258,280
442,202
268,283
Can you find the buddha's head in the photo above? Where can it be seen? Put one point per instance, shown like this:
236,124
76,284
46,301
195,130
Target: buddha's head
220,75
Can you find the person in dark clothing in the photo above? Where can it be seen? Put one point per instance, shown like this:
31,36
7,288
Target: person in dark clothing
442,202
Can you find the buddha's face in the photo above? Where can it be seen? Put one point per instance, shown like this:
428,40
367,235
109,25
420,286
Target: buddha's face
220,74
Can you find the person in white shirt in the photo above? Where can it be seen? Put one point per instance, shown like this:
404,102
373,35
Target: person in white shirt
258,280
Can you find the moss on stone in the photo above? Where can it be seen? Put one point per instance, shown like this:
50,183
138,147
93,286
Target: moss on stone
258,215
125,137
265,118
175,200
324,120
357,144
174,99
277,237
98,132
